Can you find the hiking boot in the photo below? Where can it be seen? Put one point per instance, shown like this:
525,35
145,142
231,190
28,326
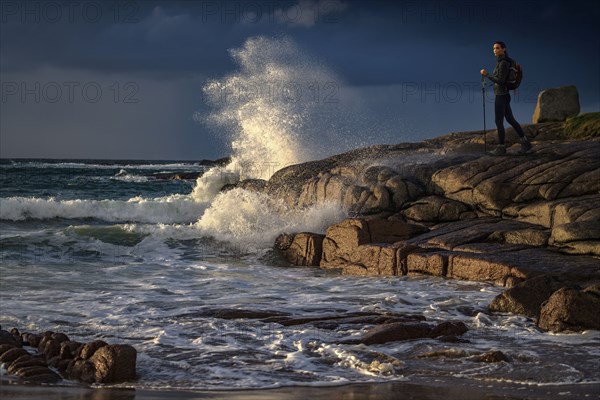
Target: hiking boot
499,150
525,145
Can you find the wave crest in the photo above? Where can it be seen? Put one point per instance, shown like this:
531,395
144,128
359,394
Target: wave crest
169,209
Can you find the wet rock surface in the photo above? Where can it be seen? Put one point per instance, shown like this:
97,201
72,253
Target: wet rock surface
571,309
444,208
396,331
51,357
304,249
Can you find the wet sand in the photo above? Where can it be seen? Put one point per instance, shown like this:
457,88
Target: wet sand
438,390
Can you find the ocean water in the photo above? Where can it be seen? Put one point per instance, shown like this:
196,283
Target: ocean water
101,249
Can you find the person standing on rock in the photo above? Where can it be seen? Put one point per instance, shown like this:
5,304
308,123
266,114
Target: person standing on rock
502,102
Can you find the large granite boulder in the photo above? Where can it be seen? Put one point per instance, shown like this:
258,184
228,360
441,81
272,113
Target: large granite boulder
571,309
99,362
556,104
334,177
114,363
344,189
366,245
303,249
527,297
397,331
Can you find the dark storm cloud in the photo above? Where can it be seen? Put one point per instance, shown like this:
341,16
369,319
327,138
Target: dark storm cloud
395,41
367,42
146,36
153,41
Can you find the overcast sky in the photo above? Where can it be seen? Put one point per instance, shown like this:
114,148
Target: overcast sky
123,80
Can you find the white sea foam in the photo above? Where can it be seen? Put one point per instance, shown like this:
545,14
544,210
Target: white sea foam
169,209
241,216
125,176
178,349
108,165
211,182
237,215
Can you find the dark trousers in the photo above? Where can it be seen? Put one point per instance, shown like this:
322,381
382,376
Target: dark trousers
503,110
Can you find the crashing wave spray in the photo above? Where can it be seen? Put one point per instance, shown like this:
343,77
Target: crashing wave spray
264,107
267,107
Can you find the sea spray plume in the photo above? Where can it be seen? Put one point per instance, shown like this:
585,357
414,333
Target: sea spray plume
263,125
242,217
263,107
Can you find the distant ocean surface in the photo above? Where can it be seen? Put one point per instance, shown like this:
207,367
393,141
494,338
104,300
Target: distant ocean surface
101,249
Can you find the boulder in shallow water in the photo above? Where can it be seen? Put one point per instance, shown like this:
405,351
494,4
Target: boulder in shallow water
493,356
304,249
51,349
88,349
81,370
8,338
4,347
31,339
114,363
571,309
25,361
12,354
527,297
449,328
396,331
38,374
94,362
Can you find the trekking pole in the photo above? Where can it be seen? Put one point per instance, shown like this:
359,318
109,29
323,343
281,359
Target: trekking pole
484,130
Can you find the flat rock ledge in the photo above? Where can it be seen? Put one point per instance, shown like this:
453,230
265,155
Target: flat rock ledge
51,357
530,223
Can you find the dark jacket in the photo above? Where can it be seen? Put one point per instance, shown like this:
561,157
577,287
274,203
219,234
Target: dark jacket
500,75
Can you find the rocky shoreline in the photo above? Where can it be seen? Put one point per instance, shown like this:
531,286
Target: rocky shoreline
529,223
443,207
50,357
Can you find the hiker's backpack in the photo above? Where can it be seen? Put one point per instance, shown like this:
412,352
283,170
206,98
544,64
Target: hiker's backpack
515,75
